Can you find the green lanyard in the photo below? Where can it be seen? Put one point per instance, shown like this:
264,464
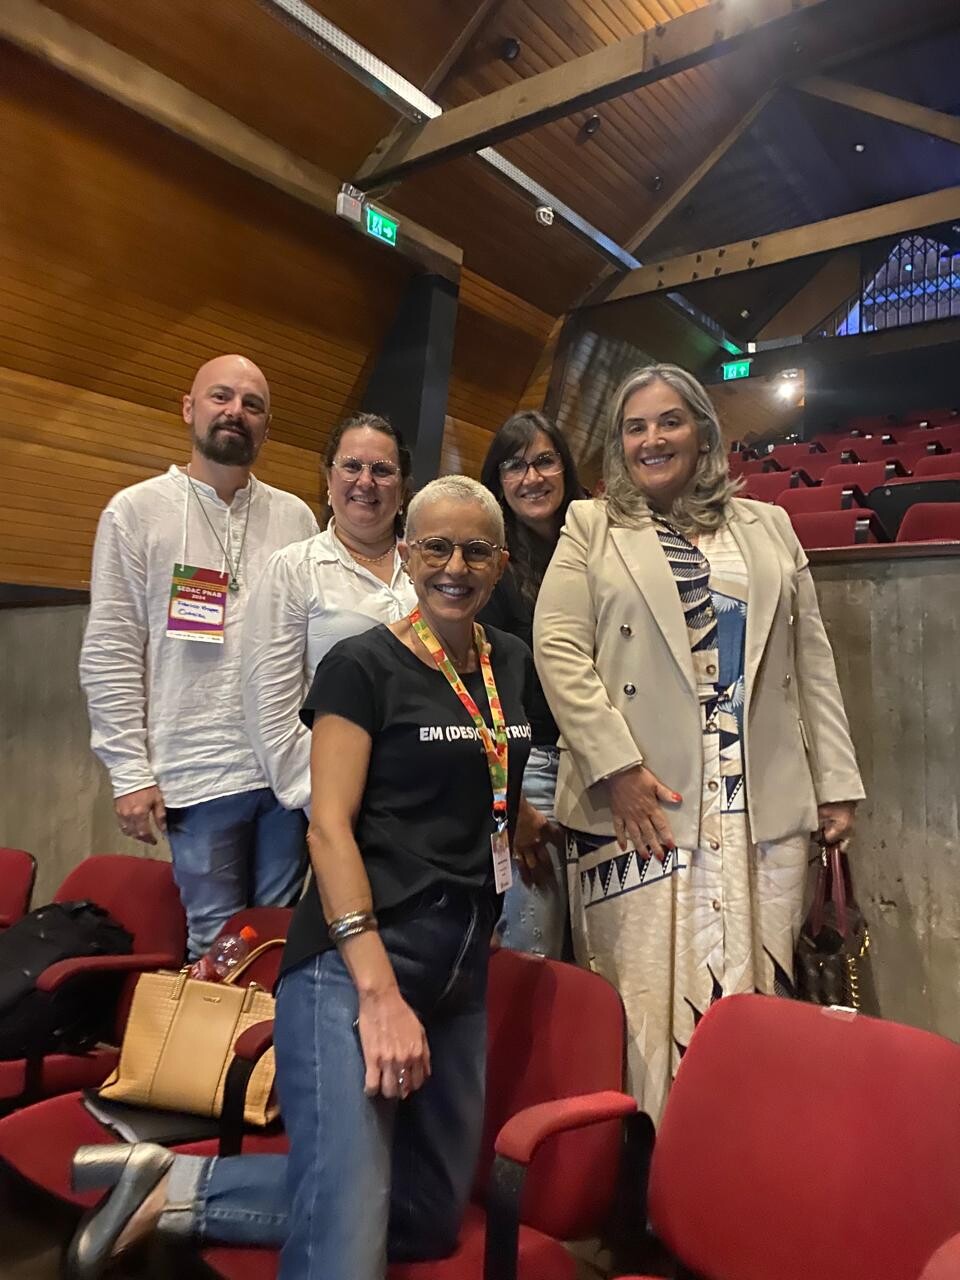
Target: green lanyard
494,745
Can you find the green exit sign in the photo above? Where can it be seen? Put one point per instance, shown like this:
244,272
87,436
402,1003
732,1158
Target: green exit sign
735,369
378,225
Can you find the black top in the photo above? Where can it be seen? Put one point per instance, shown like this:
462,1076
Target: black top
427,809
512,612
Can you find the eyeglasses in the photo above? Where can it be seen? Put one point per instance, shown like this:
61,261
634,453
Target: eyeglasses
436,552
545,464
381,472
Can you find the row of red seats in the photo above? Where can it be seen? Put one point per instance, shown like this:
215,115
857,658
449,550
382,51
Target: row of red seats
907,452
767,486
560,1123
924,522
560,1130
839,489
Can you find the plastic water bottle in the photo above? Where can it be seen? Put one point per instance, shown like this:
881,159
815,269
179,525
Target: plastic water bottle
229,950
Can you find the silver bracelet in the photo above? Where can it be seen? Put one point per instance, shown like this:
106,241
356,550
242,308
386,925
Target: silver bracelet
351,924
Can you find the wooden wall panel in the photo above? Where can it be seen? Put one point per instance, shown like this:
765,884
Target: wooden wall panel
499,342
64,452
127,258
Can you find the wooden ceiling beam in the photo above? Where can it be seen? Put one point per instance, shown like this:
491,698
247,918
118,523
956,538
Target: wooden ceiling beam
616,69
750,255
438,78
73,49
882,105
675,199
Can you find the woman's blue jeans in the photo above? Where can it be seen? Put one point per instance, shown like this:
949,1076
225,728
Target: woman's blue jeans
535,917
366,1178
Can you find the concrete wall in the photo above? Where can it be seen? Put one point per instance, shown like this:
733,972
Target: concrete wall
895,626
55,798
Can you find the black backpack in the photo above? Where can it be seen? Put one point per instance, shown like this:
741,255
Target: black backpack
76,1016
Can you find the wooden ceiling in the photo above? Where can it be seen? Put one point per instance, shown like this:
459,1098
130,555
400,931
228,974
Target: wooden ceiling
786,170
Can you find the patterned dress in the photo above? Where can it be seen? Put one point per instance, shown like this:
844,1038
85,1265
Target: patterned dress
711,921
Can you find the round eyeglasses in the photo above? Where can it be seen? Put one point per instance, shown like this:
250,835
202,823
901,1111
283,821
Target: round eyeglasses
545,464
436,552
382,471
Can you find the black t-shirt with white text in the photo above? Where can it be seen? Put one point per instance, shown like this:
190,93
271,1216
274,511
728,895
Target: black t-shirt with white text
427,810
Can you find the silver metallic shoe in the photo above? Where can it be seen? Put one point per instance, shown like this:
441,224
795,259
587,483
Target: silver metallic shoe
132,1170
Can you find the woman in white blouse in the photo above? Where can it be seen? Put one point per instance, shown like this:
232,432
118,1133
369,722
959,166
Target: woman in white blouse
312,594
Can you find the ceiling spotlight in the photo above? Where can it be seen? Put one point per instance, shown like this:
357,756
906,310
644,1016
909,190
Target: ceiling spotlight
788,391
908,266
859,148
656,182
745,313
510,49
591,125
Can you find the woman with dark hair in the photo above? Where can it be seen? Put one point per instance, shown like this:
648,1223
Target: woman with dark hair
338,583
530,471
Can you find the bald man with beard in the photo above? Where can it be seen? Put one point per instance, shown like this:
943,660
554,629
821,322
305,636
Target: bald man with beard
174,562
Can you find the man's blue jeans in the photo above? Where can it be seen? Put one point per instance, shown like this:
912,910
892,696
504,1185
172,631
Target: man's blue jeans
234,852
366,1177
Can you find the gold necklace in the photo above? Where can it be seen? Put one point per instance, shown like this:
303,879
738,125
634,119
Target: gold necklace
368,559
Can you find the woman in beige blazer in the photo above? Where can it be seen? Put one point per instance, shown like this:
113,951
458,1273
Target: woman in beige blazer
703,735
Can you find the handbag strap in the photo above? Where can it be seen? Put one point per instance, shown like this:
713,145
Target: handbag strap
839,891
815,917
232,977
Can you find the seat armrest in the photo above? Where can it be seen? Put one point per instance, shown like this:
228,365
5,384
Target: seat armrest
248,1049
523,1133
63,971
254,1042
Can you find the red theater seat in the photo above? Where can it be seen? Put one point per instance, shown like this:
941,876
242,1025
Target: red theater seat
868,474
766,488
759,466
556,1044
938,464
946,436
791,1150
931,522
38,1141
793,455
934,417
945,1263
818,529
822,497
139,893
18,870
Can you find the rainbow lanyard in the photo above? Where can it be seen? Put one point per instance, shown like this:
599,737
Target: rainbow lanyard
494,745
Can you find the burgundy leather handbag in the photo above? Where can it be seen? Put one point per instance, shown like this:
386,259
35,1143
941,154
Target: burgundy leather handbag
834,938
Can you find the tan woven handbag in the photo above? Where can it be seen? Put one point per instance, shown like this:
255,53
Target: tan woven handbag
179,1043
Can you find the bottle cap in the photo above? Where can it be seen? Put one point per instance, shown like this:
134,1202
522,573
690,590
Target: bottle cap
247,933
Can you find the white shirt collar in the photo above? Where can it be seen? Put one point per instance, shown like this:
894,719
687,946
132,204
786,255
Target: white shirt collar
179,474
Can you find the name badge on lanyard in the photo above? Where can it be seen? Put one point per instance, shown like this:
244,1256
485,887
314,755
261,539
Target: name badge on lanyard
494,744
198,604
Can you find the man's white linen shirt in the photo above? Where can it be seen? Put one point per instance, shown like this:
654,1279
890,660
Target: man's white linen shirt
166,711
309,596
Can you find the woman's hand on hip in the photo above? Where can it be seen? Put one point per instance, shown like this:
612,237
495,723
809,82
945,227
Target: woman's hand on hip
636,797
396,1055
836,822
